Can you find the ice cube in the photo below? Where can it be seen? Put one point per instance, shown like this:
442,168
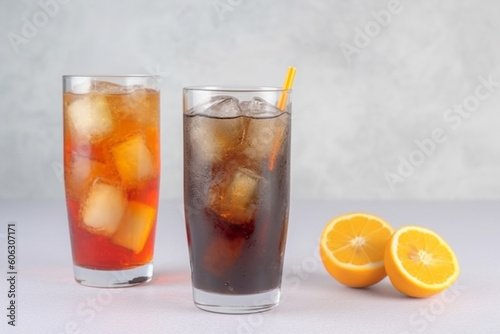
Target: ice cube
259,108
263,136
234,198
133,160
106,87
82,171
218,106
141,105
135,226
103,208
88,85
136,100
222,253
90,117
213,139
225,107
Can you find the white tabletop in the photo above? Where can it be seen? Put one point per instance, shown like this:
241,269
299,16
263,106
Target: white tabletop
49,301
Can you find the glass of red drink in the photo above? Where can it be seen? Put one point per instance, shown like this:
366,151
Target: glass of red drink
112,174
236,195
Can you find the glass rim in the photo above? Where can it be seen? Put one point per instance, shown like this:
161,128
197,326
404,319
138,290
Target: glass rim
118,76
236,89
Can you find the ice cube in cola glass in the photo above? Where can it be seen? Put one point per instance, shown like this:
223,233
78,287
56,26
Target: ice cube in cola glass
111,173
236,195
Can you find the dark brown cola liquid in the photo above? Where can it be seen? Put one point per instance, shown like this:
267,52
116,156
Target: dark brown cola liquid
236,195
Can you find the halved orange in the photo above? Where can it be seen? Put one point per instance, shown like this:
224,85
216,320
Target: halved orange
352,248
419,262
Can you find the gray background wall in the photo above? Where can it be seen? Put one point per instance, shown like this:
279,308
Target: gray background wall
362,100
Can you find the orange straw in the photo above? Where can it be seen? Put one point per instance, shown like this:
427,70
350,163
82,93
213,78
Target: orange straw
288,84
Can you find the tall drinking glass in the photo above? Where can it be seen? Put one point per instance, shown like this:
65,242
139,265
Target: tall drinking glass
112,174
236,195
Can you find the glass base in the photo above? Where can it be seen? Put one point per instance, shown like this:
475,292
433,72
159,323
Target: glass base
236,304
113,278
